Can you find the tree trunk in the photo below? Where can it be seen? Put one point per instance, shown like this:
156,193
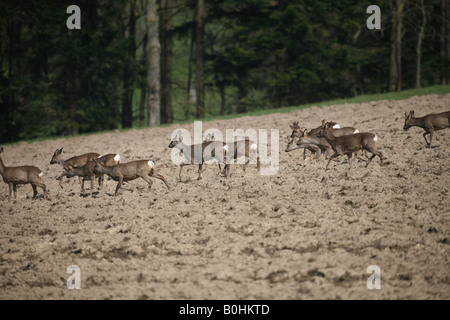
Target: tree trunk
444,39
142,107
242,91
143,85
127,97
395,60
200,93
447,37
153,56
393,72
419,43
398,42
188,89
222,97
166,24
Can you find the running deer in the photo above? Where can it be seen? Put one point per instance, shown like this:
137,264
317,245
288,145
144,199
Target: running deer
297,132
77,161
291,145
429,123
246,148
192,158
308,139
349,144
129,171
21,175
87,171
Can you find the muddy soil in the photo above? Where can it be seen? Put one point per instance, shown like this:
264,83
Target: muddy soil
302,233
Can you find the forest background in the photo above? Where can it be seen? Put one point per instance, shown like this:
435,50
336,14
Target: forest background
137,63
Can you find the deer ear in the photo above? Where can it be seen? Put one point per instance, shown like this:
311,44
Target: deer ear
180,139
411,113
60,151
1,150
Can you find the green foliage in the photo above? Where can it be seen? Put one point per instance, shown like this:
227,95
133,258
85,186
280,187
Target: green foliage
259,55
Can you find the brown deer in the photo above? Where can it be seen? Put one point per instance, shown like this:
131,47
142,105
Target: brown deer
130,171
308,139
297,132
350,144
240,148
21,175
291,144
192,158
77,161
429,123
87,171
246,148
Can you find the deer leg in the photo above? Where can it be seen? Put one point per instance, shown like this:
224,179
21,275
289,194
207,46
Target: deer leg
226,170
41,185
34,191
327,152
425,137
322,152
119,185
15,190
318,153
335,155
358,157
374,154
350,158
148,180
200,171
370,159
160,177
245,164
10,190
312,156
381,156
258,164
61,178
181,168
100,181
431,137
92,184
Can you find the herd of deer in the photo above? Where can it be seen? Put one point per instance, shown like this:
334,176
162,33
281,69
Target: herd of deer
320,141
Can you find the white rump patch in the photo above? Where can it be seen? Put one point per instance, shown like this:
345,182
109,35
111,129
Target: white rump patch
151,164
41,174
336,126
356,131
225,148
253,146
117,158
375,138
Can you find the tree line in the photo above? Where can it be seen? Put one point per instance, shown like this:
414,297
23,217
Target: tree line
147,62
